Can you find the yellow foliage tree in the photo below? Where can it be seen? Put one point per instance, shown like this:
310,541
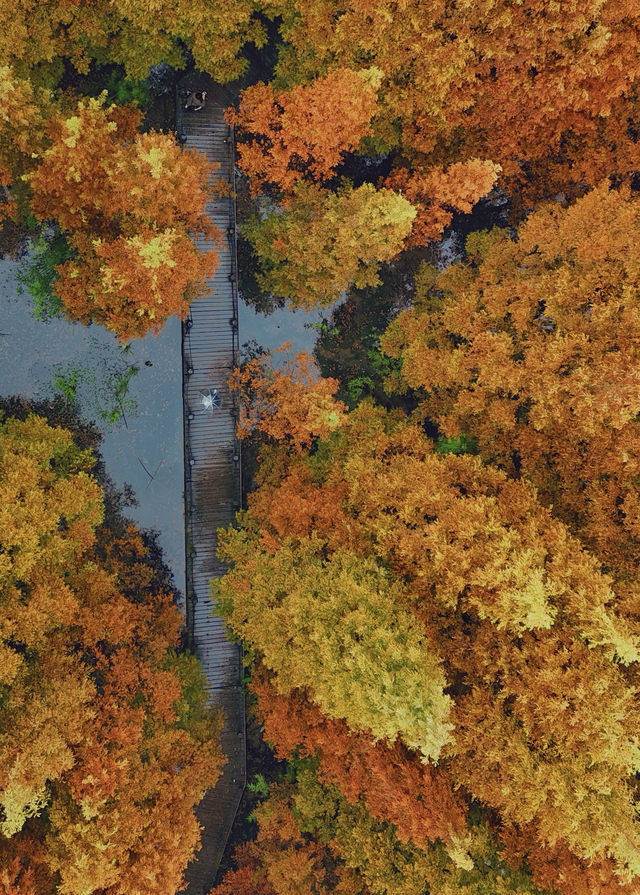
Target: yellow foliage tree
323,242
335,627
532,348
42,35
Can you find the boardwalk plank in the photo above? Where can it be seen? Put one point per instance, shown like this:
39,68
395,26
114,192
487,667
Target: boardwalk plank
212,481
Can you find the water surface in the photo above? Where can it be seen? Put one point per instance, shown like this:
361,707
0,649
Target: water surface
272,330
143,448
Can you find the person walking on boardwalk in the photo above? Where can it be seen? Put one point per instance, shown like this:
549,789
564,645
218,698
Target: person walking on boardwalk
195,101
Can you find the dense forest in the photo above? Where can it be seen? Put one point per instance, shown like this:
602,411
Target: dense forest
434,573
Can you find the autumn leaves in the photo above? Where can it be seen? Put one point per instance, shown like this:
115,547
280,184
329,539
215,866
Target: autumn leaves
107,743
531,348
128,205
326,236
418,608
444,644
381,120
496,592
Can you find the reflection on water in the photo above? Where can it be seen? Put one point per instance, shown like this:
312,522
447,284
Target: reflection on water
140,390
272,330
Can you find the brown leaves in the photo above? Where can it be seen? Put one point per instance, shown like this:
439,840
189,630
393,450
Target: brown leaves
396,786
294,406
438,192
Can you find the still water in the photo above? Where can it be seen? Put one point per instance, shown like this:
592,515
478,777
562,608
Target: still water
142,445
134,396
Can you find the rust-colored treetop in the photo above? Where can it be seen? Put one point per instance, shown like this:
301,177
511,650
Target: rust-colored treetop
539,99
291,404
541,87
303,133
107,742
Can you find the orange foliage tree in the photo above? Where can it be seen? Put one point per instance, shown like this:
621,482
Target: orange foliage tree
548,91
502,599
292,404
303,133
284,861
108,743
417,798
437,193
531,348
311,840
128,204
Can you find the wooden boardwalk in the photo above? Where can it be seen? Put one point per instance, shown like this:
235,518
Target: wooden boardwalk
212,478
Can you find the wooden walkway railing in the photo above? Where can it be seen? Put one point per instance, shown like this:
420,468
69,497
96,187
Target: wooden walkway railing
213,477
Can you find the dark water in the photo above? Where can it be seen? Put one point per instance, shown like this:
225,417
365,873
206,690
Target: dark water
142,445
272,330
143,448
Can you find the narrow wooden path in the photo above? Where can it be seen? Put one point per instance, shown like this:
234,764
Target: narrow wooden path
212,477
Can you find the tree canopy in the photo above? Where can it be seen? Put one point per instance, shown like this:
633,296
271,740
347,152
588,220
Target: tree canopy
547,91
539,99
322,242
531,348
527,651
42,36
303,133
437,597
